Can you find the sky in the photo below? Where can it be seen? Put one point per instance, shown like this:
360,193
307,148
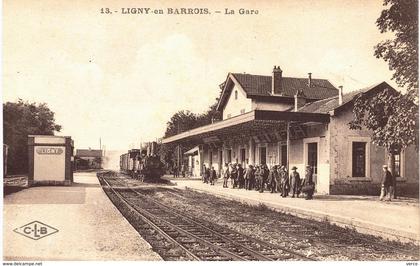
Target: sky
120,77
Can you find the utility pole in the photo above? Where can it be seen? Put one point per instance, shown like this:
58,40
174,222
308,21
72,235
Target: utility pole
100,143
288,145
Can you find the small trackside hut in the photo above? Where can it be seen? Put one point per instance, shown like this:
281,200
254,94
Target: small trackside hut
50,160
277,120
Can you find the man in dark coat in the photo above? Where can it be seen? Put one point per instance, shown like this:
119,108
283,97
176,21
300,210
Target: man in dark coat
234,176
263,177
213,176
176,172
206,175
225,175
248,177
387,185
241,172
272,178
258,176
308,186
295,182
284,182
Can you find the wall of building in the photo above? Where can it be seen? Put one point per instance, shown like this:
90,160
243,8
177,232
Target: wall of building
342,181
234,106
194,165
317,133
49,166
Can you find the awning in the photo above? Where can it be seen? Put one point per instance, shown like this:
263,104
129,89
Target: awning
254,122
193,151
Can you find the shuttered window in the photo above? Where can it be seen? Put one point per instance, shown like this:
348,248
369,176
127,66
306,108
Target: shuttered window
359,159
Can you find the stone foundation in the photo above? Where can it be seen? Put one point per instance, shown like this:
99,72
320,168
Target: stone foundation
364,188
49,183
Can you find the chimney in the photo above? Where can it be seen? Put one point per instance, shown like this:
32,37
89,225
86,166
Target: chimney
309,80
276,80
299,100
340,95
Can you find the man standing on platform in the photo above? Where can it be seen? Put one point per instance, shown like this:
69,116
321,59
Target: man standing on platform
213,176
387,184
295,182
284,182
234,176
241,172
308,186
248,177
225,175
272,179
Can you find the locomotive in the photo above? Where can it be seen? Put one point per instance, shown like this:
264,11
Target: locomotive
142,163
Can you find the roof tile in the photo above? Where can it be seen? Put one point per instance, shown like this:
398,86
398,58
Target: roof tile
258,85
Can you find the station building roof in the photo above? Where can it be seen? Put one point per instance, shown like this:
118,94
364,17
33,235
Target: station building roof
258,85
331,104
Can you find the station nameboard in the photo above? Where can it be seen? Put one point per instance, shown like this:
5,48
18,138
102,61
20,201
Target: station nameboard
52,151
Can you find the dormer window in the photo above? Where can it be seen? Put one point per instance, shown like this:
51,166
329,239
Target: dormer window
236,95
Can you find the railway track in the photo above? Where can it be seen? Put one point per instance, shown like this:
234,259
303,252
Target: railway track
311,240
354,247
176,236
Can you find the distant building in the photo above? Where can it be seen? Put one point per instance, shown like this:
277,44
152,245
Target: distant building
277,120
88,159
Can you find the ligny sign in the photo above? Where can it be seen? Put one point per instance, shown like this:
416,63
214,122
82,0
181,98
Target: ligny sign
51,151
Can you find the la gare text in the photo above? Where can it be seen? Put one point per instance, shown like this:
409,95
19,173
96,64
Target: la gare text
178,11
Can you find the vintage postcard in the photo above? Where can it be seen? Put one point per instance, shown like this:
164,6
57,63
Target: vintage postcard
164,131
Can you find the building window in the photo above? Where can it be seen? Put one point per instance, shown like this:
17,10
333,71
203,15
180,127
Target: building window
359,159
242,111
313,156
398,165
236,95
242,156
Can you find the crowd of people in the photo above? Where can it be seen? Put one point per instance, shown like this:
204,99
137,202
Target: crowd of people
260,178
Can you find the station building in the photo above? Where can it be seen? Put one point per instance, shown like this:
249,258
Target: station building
88,159
290,121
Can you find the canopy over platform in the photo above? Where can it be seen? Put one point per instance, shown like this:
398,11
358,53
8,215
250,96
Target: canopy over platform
268,124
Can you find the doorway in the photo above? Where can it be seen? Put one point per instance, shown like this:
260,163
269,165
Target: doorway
283,151
263,155
313,159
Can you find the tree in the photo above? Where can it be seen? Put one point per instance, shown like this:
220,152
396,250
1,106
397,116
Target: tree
391,117
401,53
21,119
186,120
181,121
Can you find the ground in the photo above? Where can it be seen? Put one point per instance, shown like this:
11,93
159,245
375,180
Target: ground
318,240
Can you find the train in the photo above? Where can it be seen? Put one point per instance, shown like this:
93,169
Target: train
143,163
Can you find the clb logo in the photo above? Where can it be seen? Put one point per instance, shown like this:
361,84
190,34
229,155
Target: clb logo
35,230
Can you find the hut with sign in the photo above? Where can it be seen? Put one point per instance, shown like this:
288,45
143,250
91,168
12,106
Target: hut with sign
50,160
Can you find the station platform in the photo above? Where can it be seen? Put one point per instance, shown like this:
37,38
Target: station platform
397,220
89,226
